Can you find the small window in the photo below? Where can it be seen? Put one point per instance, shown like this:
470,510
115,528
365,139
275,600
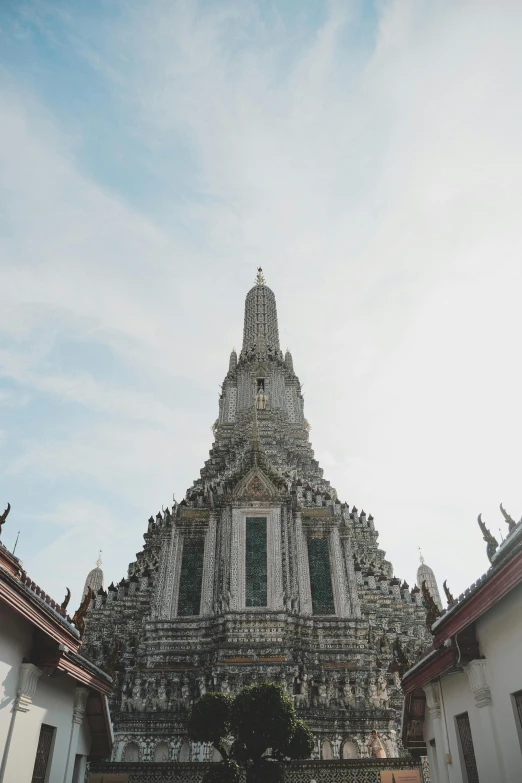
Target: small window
43,754
466,748
516,700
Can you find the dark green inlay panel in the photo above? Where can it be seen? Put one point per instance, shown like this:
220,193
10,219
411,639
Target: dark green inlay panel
255,562
320,578
191,576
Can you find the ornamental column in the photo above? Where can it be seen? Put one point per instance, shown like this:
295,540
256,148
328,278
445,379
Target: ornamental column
16,736
491,758
433,703
303,570
80,702
209,560
339,576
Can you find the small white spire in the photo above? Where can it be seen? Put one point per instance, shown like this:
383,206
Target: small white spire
99,560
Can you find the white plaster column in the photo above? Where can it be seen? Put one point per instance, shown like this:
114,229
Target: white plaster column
209,560
433,703
491,762
81,695
342,601
303,570
27,682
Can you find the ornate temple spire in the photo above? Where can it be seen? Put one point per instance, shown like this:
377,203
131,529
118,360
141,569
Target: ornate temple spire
94,578
425,574
260,332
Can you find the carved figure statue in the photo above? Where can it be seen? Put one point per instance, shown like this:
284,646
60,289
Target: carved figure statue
4,516
125,697
186,695
159,702
348,696
382,692
301,698
373,699
492,543
202,685
321,699
136,702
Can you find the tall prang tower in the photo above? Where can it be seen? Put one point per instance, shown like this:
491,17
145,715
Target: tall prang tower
259,574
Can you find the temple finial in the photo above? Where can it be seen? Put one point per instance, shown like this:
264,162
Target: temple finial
420,555
260,279
99,560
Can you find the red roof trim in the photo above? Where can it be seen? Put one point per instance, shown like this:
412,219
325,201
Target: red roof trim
500,583
84,676
37,616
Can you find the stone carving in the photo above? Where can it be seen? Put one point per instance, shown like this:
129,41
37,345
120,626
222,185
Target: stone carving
79,616
492,543
382,692
4,516
451,601
511,522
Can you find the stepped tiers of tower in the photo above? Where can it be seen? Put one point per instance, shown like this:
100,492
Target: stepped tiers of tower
260,573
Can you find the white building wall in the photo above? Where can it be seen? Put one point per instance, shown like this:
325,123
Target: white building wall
52,704
496,741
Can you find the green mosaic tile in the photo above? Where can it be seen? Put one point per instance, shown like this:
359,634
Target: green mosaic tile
320,578
191,576
255,562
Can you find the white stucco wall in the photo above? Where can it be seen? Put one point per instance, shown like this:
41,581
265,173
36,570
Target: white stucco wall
52,704
499,633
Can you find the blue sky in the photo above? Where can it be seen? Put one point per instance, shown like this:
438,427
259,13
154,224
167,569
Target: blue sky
153,154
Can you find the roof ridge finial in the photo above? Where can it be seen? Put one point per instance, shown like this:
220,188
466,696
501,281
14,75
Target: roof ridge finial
420,554
99,560
260,279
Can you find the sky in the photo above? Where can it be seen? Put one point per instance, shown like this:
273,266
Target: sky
153,153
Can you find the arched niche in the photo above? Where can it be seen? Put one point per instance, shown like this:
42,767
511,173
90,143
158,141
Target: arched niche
161,752
326,751
184,752
350,750
131,752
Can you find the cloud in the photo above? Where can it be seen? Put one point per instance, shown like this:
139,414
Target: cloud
367,158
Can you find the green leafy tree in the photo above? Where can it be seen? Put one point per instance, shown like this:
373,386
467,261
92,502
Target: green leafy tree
260,719
300,745
209,720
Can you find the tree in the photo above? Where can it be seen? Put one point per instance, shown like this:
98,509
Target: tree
209,720
300,745
261,718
